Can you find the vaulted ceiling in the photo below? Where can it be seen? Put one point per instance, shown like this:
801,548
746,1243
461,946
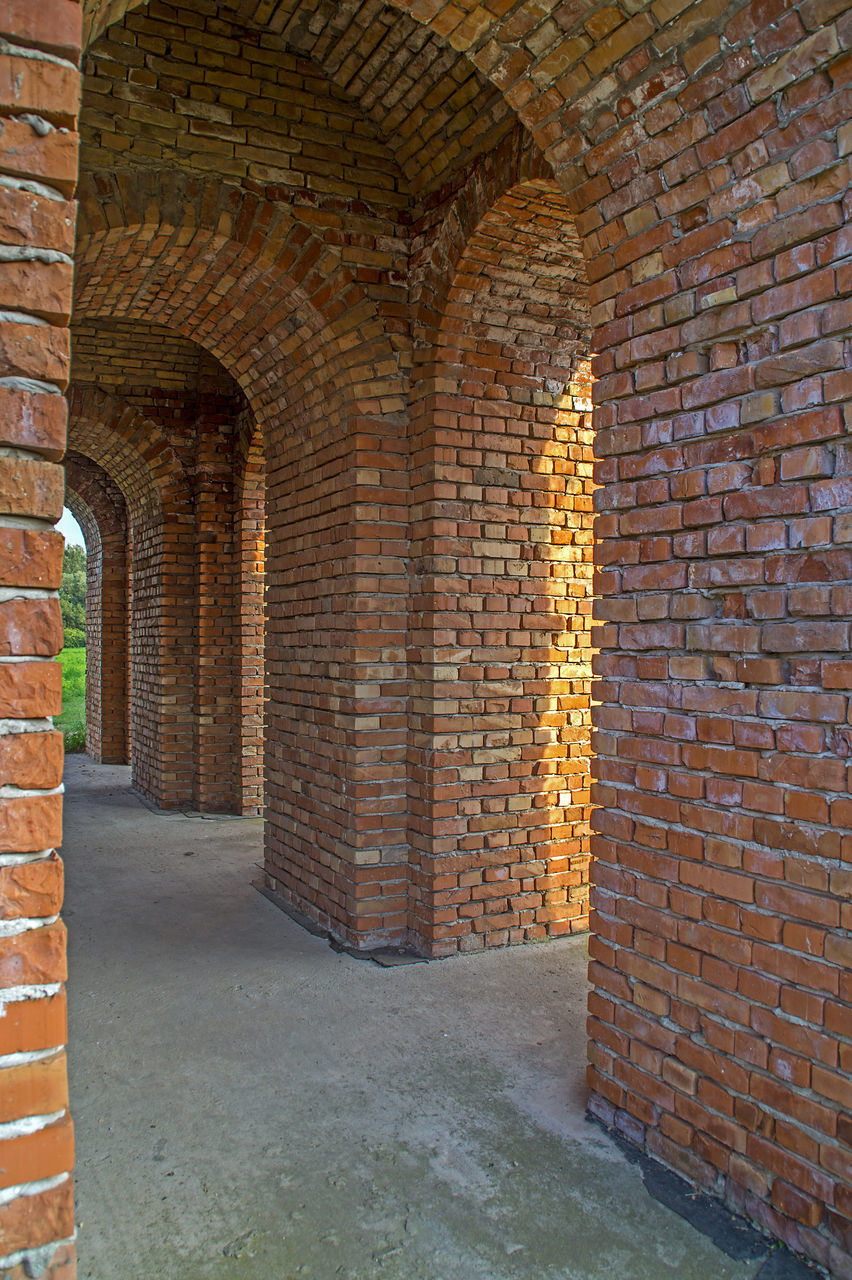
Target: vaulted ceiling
427,101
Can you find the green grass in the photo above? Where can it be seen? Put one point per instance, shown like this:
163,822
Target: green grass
72,722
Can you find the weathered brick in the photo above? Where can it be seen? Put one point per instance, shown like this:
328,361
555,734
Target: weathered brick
55,25
30,689
31,889
35,1220
30,558
30,627
28,153
38,351
707,196
33,957
44,1154
30,823
33,1089
30,1025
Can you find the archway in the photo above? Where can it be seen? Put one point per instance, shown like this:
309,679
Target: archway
99,508
323,373
175,431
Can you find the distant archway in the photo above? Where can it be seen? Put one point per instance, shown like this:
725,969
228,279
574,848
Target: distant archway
98,506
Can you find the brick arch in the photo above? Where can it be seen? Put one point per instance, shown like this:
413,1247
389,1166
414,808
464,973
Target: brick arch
557,67
177,422
246,280
424,103
702,157
99,507
501,572
703,154
128,445
444,231
134,452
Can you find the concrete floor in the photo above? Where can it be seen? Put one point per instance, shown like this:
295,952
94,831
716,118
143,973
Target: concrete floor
251,1105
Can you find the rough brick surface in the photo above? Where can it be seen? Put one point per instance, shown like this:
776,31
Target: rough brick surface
31,889
33,1221
40,88
391,229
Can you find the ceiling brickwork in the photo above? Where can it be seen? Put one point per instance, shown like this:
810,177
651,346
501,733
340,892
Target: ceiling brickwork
116,353
351,87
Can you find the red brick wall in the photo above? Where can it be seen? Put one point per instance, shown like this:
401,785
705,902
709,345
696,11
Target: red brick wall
134,452
40,80
335,648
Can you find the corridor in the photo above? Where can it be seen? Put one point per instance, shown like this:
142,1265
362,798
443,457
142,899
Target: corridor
251,1105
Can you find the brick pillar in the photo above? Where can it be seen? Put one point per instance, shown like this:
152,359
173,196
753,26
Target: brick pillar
722,998
162,648
38,145
336,669
500,675
251,535
114,746
216,707
501,551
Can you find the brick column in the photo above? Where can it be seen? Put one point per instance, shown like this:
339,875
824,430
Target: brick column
335,741
114,744
251,533
38,157
216,708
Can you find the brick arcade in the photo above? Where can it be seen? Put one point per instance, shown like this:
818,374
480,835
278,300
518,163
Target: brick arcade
308,304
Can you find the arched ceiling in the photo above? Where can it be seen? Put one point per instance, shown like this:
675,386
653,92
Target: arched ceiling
130,447
427,102
244,281
523,267
115,353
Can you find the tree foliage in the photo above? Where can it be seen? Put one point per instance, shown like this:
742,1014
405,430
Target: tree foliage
72,595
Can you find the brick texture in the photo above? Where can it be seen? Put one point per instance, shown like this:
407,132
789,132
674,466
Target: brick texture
360,254
39,88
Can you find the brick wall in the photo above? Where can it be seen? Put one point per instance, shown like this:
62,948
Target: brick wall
251,550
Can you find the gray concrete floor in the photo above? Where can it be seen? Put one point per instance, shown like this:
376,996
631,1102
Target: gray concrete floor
251,1105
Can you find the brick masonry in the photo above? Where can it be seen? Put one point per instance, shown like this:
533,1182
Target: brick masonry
399,231
39,162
